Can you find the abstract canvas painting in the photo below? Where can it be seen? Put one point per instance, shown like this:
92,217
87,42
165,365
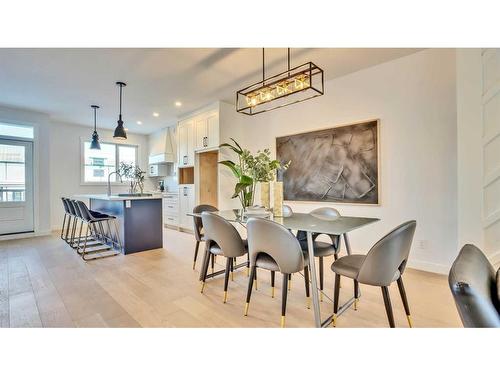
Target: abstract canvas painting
338,164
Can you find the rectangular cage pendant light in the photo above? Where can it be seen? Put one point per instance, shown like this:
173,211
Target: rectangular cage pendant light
294,85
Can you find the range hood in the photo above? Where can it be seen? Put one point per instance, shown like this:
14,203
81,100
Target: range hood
168,147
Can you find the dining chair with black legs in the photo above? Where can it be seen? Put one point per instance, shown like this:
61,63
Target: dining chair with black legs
322,249
273,247
384,264
198,228
221,238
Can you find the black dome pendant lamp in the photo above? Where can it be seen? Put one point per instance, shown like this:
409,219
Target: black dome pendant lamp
120,130
94,145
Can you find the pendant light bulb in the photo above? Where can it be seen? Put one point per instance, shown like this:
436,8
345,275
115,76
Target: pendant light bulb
120,132
94,144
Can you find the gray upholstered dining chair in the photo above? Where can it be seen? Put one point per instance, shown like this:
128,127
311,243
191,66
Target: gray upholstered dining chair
474,286
273,247
198,229
223,239
322,249
384,264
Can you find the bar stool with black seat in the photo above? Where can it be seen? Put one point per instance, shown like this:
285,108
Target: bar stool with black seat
78,223
384,264
109,244
274,248
322,249
92,238
77,219
68,217
198,228
221,238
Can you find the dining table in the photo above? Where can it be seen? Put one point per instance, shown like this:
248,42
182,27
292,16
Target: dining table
310,223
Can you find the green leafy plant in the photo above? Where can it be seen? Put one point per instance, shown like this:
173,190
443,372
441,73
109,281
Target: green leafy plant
249,170
134,174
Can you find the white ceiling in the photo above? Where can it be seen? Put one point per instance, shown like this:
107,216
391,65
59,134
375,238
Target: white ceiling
65,82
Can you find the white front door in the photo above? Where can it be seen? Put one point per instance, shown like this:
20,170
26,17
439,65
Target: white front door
16,186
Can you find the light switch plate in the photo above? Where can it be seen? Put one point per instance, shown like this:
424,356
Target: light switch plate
128,204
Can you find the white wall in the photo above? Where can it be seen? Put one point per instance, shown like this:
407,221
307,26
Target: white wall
469,147
414,98
65,162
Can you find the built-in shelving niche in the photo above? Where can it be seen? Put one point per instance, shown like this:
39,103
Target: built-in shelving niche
186,175
208,180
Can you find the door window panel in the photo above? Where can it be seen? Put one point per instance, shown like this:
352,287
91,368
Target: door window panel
12,173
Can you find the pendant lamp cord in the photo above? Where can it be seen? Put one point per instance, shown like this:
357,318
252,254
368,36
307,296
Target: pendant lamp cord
95,119
121,99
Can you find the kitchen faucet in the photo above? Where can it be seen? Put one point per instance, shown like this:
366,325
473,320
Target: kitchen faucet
109,182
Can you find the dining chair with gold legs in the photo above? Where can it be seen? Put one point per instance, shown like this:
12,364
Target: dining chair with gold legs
322,249
273,247
384,264
222,239
198,228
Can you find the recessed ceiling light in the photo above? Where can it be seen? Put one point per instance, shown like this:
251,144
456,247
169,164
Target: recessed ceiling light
178,104
156,114
139,122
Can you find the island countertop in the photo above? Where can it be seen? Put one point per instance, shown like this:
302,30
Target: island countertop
117,197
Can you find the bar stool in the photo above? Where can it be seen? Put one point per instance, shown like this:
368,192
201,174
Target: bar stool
76,219
76,240
273,247
322,249
222,239
68,216
106,243
198,229
384,264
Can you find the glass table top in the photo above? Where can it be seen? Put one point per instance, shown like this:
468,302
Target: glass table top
302,221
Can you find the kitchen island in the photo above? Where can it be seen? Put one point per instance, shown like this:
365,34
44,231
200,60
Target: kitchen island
139,218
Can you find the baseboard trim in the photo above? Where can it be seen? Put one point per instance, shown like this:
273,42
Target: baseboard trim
25,235
429,267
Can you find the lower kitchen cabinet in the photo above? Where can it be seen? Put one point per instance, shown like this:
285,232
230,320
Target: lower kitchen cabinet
186,205
171,209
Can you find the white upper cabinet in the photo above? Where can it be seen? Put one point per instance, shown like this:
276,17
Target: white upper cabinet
207,130
197,133
200,125
213,129
186,143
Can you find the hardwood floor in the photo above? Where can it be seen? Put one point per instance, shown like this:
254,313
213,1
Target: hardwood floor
44,283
